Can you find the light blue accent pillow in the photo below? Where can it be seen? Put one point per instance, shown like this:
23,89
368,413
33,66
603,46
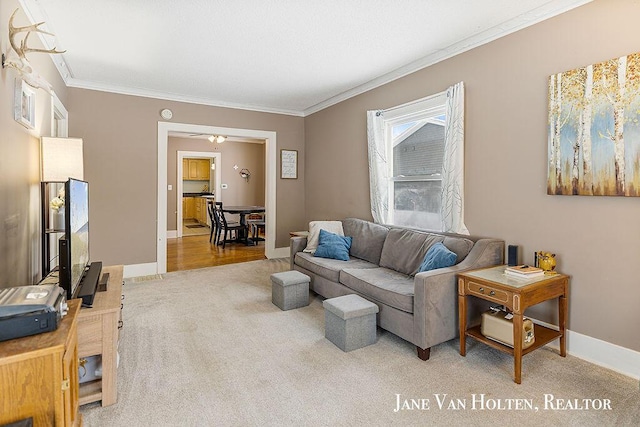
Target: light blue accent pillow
438,256
333,246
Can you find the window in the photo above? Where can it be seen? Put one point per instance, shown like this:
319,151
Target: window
416,163
414,138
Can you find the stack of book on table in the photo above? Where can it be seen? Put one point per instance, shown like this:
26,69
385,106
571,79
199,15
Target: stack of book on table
524,271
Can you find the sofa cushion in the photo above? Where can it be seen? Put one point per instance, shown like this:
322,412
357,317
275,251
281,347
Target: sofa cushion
404,249
328,268
438,256
459,245
382,285
330,245
368,238
314,232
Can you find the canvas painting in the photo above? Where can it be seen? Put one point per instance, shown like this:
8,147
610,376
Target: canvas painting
594,129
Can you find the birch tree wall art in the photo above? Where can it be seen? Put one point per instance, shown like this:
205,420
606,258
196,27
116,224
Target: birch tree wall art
594,129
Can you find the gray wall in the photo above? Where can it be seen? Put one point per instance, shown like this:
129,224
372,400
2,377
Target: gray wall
120,143
595,238
20,163
246,155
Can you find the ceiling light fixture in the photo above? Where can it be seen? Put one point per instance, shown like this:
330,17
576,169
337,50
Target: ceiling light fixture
217,138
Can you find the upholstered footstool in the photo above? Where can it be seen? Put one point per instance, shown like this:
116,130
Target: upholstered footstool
290,289
350,322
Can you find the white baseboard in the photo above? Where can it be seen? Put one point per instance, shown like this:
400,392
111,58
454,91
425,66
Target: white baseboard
279,253
598,352
136,270
172,234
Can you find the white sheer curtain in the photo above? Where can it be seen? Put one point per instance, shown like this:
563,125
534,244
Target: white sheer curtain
378,167
452,213
453,163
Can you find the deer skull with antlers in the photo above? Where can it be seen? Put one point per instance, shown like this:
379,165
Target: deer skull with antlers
30,76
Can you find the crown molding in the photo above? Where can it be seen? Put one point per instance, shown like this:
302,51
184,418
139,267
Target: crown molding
145,93
549,10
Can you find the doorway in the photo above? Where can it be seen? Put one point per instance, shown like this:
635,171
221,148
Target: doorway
270,180
215,159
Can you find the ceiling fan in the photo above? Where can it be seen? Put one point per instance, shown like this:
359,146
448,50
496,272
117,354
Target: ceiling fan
212,138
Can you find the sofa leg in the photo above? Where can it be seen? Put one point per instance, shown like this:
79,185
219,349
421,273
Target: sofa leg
424,353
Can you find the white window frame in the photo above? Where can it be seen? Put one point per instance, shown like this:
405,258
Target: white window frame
421,110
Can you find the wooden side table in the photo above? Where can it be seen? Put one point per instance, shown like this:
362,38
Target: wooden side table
491,284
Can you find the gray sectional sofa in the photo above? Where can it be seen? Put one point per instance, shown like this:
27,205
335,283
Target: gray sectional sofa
421,308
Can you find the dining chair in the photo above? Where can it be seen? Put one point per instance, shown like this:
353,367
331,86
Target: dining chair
231,218
214,223
225,226
256,222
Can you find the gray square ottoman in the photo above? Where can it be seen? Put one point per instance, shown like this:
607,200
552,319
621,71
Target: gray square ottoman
350,322
290,289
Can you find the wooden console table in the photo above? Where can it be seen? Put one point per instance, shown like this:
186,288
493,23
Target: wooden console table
39,375
98,335
491,284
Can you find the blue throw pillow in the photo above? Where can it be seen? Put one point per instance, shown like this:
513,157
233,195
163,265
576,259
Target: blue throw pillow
438,256
333,246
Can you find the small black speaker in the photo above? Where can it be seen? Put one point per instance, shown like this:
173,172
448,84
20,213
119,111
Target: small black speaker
512,255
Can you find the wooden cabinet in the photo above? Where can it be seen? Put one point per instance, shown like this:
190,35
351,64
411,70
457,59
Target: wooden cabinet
201,210
195,208
39,375
203,168
189,207
185,168
98,333
196,169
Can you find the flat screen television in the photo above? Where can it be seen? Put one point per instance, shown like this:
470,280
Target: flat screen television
77,276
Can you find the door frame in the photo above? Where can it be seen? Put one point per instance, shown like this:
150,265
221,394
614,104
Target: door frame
216,190
270,177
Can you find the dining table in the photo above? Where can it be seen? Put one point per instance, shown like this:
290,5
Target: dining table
243,211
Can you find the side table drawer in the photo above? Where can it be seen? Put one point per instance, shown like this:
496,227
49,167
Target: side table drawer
488,293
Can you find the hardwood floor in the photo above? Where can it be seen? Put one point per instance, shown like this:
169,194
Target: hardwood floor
190,252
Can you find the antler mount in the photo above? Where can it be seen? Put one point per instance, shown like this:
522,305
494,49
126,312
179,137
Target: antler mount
21,64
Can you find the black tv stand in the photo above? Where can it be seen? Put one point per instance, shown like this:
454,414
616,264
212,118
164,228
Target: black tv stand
89,284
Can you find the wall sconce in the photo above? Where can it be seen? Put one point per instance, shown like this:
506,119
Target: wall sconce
217,138
245,174
61,159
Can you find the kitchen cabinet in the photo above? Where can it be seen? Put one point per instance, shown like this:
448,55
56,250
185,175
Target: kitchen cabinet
185,168
196,169
189,207
195,208
202,214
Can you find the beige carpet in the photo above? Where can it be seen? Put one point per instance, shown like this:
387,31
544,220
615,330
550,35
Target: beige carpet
208,348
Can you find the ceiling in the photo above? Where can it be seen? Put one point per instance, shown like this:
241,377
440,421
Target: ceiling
287,56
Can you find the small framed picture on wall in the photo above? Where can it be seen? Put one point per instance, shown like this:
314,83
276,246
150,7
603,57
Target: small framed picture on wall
25,104
289,164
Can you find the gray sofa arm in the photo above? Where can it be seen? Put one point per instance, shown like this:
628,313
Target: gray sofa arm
296,244
435,306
